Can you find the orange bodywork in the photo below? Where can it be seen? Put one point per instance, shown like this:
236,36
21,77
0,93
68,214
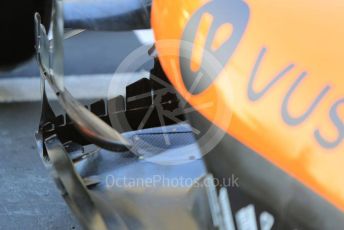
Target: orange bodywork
283,85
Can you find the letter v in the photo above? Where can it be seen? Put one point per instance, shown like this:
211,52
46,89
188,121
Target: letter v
254,95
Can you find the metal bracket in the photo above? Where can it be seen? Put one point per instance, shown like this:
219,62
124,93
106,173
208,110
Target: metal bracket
50,60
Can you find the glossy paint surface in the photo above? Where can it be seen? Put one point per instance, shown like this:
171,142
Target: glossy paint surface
283,81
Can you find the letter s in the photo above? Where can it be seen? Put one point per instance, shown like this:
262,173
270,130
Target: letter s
338,122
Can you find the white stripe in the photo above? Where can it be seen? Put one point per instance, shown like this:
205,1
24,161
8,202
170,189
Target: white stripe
146,37
227,216
27,89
